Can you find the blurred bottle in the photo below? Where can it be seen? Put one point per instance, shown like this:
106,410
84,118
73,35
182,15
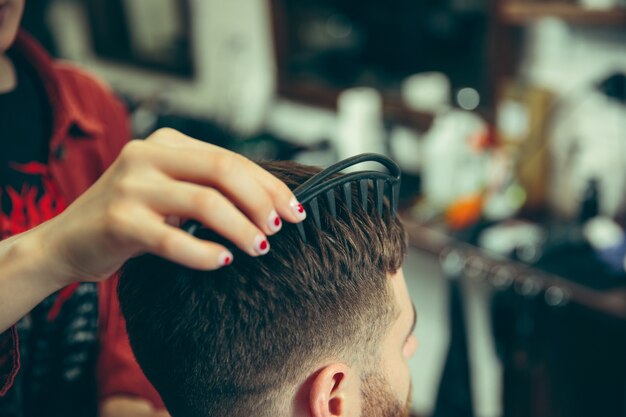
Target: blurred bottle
360,124
427,92
452,167
547,54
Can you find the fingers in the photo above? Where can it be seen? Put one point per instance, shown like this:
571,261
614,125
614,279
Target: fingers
210,207
153,235
224,174
278,193
185,178
287,205
235,182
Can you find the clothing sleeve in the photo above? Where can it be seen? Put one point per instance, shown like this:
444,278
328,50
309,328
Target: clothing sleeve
118,372
118,128
9,359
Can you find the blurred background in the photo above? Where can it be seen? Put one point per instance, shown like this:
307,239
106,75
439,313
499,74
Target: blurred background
508,118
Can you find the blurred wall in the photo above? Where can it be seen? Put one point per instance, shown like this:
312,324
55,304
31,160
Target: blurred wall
232,46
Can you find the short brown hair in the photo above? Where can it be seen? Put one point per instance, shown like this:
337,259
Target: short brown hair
228,342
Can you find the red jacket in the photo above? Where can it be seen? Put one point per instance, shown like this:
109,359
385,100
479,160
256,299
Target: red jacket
89,129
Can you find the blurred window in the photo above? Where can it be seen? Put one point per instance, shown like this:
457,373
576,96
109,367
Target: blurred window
154,34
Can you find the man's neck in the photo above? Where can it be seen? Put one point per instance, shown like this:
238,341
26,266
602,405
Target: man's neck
8,78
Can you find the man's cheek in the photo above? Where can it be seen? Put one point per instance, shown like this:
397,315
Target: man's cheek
399,377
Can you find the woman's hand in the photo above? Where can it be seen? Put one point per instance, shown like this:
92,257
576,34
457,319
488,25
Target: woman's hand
165,177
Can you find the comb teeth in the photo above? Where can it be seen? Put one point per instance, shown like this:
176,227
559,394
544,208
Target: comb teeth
300,228
330,196
347,195
315,209
363,193
327,182
191,226
395,196
379,190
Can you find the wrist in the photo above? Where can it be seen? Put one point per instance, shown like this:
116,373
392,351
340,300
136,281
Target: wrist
26,277
41,267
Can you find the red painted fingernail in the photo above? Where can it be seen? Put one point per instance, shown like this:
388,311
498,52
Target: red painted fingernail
298,209
226,258
261,245
273,222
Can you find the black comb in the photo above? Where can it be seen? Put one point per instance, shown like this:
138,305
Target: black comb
320,187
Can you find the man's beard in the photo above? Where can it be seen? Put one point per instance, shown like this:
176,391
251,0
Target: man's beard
379,400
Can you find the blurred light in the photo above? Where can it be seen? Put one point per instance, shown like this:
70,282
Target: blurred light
476,268
338,26
556,297
529,287
502,277
452,263
427,92
468,98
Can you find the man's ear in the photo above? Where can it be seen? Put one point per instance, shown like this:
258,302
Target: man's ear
335,392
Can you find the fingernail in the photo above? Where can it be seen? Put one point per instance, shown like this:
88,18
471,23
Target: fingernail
261,245
298,209
274,223
225,258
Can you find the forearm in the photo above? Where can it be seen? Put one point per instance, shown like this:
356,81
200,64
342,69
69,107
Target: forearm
119,406
26,276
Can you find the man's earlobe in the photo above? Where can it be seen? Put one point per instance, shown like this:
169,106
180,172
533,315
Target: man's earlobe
335,392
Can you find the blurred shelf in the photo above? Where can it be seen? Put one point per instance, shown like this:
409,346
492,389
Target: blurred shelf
504,273
320,95
521,13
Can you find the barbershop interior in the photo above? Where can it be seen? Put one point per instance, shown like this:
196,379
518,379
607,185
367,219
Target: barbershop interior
505,117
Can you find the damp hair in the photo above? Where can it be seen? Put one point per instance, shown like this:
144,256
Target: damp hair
233,341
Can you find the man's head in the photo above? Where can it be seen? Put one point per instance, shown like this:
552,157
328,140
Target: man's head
322,328
10,16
